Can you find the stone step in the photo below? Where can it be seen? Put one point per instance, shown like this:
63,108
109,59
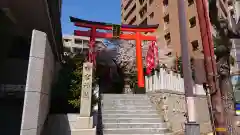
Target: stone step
91,131
131,120
116,96
126,103
142,134
127,97
128,107
131,116
135,125
129,112
135,131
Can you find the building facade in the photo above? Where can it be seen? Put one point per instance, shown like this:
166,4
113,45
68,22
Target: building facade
165,13
80,44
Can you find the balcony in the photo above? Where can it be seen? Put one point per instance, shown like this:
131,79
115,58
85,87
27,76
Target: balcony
167,38
166,28
168,42
143,11
130,11
165,10
141,2
128,4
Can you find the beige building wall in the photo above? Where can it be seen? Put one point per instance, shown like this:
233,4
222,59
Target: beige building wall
165,13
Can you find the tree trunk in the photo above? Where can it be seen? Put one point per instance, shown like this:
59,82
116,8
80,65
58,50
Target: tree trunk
227,93
223,66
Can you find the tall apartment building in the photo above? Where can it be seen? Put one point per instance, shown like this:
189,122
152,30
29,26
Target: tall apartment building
165,13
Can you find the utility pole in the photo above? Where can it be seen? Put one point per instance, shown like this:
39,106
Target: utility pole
191,126
210,67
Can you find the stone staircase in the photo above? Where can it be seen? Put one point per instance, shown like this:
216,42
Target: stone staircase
131,114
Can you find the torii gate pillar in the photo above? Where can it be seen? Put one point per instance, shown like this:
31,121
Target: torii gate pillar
139,61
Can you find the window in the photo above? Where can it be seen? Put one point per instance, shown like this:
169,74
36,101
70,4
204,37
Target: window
190,2
66,49
166,19
130,12
165,2
128,4
143,11
67,40
192,22
167,38
169,54
143,23
133,20
78,41
195,45
150,2
151,15
141,2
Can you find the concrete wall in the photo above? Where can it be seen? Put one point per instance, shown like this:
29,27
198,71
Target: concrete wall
39,79
171,104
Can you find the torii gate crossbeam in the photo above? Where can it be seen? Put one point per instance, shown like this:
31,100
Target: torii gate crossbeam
137,36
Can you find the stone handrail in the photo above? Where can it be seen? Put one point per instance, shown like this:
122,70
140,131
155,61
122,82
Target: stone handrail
164,80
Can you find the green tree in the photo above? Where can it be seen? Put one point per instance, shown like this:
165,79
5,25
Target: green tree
76,81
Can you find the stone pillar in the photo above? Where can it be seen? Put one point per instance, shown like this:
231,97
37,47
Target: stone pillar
147,83
155,81
38,85
171,81
167,80
151,83
86,93
84,123
86,120
161,79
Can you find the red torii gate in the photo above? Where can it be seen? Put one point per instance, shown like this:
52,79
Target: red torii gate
138,37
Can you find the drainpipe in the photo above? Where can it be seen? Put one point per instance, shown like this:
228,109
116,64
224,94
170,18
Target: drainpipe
52,32
191,126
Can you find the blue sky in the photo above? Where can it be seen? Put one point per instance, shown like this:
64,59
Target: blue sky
95,10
